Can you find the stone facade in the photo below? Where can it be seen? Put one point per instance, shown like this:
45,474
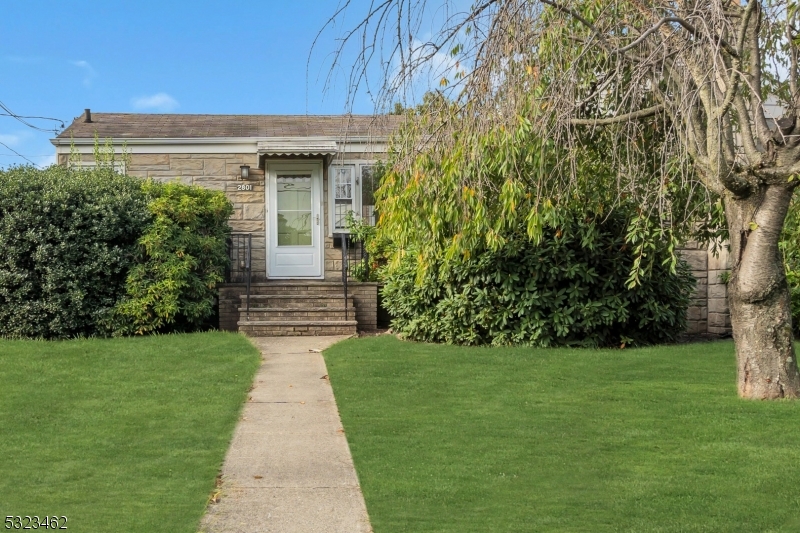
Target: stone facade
707,314
708,311
221,172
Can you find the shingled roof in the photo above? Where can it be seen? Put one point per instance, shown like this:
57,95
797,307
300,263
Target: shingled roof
176,126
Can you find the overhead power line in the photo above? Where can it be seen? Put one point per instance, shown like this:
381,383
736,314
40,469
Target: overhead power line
19,154
21,118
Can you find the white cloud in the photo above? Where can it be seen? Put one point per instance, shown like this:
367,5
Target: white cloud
45,161
10,139
89,72
156,102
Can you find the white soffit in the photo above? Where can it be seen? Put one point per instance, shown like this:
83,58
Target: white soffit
297,147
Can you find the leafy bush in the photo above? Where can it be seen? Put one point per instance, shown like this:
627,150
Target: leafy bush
375,248
790,246
68,239
181,257
570,289
90,252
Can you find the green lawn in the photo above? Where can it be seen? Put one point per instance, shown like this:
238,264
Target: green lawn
119,435
498,440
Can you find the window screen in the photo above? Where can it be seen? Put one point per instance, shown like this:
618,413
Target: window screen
342,196
368,187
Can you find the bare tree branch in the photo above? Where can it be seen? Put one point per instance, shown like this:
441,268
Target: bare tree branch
634,115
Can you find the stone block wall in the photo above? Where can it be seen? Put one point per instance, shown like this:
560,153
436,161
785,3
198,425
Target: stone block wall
229,300
221,172
365,298
719,316
708,310
218,172
697,314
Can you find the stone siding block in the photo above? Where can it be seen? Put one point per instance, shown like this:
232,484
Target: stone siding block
719,320
150,159
248,226
209,184
722,259
232,167
716,276
718,305
697,259
697,327
214,167
696,313
253,211
186,164
718,290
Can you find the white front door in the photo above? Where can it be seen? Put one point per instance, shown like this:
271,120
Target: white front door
294,221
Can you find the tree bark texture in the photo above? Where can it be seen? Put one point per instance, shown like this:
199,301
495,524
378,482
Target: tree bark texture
758,295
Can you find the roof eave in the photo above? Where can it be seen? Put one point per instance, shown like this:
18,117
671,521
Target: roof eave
82,141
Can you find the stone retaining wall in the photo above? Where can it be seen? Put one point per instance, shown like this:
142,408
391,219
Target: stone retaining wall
229,305
365,297
708,311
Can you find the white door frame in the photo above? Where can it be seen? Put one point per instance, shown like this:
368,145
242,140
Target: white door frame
313,167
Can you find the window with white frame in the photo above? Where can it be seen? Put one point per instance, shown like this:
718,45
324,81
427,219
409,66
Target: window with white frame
119,166
368,186
342,181
352,189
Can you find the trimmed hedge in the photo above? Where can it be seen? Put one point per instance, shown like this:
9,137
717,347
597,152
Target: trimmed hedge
68,239
568,290
90,252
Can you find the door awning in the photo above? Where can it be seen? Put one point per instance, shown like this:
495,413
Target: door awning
297,147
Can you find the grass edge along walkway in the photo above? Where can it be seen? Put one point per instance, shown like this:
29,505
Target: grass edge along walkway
454,439
119,434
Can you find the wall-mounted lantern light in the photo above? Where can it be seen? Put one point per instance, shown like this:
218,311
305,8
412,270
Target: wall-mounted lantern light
245,172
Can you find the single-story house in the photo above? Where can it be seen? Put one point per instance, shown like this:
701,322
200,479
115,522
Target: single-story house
292,179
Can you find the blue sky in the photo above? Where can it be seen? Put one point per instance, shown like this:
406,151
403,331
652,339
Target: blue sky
235,56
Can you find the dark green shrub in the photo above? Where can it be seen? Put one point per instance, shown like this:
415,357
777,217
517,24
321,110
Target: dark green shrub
181,257
568,290
67,241
790,246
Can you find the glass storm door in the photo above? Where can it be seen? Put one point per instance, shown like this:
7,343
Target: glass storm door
295,231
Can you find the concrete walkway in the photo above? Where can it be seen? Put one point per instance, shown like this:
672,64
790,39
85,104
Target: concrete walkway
289,467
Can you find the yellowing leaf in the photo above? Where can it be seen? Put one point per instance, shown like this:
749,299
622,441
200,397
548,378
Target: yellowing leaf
753,226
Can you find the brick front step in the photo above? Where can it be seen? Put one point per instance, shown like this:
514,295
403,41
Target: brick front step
322,287
301,313
296,328
304,296
296,301
296,294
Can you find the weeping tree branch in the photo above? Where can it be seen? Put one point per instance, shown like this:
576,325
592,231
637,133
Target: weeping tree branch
617,119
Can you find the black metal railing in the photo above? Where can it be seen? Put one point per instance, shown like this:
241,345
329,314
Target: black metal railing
353,257
240,246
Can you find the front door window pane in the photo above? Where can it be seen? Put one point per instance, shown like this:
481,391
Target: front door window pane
294,210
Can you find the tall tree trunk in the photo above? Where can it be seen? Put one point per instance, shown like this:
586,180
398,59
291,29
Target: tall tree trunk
758,296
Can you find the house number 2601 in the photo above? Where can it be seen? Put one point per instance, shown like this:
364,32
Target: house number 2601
244,187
